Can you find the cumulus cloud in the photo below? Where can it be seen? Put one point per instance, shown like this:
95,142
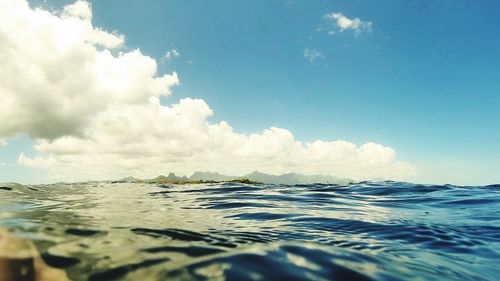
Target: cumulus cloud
80,9
57,71
170,55
343,23
147,140
311,55
94,111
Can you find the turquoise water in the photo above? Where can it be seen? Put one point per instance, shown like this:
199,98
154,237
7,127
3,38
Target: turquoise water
366,231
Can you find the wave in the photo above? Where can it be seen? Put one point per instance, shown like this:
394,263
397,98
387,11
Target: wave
234,231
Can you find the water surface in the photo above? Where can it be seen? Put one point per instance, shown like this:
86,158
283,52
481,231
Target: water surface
366,231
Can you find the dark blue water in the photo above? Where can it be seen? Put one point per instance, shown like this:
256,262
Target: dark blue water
367,231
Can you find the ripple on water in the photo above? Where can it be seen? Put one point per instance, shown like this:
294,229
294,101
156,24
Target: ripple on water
362,231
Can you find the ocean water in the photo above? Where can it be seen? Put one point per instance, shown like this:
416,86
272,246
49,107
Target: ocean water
230,231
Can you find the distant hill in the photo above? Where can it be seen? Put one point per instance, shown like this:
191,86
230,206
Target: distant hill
129,179
170,178
289,178
295,178
209,176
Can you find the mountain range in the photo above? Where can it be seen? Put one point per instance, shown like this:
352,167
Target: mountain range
259,177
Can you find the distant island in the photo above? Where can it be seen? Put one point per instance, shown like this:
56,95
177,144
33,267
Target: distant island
254,177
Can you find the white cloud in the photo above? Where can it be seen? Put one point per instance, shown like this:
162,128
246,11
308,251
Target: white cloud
311,55
170,55
58,71
94,111
343,23
147,140
80,9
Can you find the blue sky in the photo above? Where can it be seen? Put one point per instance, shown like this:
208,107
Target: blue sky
423,81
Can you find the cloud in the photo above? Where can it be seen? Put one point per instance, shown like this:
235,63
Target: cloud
94,111
80,9
170,55
311,55
343,23
57,71
147,140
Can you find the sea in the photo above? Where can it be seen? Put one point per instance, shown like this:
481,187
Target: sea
235,231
